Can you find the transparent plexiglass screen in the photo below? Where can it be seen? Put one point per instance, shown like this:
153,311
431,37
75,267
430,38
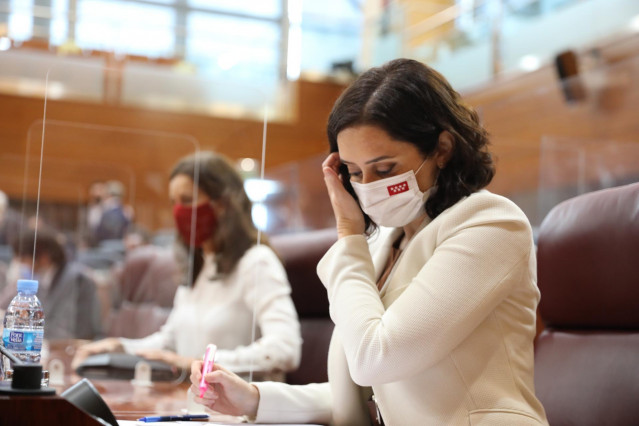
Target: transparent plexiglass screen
565,137
296,200
90,196
606,154
570,167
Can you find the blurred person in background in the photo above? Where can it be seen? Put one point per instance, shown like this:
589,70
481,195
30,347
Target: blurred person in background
9,221
9,227
115,218
97,194
233,279
66,288
136,236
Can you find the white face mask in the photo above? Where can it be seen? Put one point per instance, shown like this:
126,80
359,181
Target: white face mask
395,201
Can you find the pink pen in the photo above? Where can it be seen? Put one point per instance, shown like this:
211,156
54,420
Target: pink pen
209,358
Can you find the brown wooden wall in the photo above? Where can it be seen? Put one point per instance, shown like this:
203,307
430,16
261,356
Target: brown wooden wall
90,142
524,111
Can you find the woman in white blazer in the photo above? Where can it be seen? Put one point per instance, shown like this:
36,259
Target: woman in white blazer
432,282
234,282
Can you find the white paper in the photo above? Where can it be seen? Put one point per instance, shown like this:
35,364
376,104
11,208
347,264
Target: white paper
192,423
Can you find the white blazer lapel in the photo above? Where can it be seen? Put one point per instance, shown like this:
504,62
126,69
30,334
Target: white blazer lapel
380,247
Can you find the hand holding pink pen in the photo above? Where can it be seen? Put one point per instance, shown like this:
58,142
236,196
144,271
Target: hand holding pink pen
207,367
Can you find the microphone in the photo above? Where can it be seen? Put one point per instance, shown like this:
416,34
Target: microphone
27,377
11,356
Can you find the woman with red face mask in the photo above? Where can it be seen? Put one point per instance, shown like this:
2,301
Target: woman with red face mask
233,278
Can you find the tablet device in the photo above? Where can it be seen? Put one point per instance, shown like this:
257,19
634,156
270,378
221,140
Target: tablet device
122,366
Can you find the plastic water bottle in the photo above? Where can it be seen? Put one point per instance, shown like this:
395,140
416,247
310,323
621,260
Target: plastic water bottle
24,324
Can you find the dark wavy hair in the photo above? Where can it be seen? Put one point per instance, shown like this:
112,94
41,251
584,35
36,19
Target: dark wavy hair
47,241
414,103
28,244
235,232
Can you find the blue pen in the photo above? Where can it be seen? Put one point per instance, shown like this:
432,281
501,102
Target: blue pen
155,419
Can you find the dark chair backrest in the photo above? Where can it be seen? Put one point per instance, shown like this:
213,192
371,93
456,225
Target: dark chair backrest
587,358
300,253
149,274
147,283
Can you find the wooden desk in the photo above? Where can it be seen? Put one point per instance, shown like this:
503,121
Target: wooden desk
127,401
41,410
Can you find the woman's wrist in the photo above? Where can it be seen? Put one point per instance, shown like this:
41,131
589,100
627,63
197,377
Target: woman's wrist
185,362
119,345
253,403
116,345
346,229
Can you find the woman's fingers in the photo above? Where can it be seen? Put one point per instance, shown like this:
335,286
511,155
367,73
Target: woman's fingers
330,168
78,359
209,393
348,215
111,344
332,162
213,379
332,182
196,371
225,392
217,376
195,390
196,366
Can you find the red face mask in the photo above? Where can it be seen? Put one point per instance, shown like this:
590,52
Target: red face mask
205,222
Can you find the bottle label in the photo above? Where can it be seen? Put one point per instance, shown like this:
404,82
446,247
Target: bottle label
22,340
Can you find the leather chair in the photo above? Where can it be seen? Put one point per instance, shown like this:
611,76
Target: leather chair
147,282
300,253
149,274
587,358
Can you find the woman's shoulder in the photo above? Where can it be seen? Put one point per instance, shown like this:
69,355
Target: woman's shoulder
260,261
482,208
482,216
181,294
484,205
259,253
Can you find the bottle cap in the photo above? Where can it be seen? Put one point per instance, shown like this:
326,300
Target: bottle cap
28,286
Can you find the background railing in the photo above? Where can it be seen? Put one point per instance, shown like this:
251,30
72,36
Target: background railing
261,43
264,44
472,42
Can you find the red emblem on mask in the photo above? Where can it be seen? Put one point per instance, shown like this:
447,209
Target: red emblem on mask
398,188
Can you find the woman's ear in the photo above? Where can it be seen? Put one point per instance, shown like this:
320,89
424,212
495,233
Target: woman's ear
445,148
219,206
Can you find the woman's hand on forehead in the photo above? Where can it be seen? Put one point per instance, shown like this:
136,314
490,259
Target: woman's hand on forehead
349,217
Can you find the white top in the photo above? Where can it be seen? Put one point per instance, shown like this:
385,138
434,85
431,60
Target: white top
449,341
220,310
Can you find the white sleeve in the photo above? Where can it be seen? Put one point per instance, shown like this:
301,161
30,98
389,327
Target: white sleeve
283,403
266,289
163,338
473,268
